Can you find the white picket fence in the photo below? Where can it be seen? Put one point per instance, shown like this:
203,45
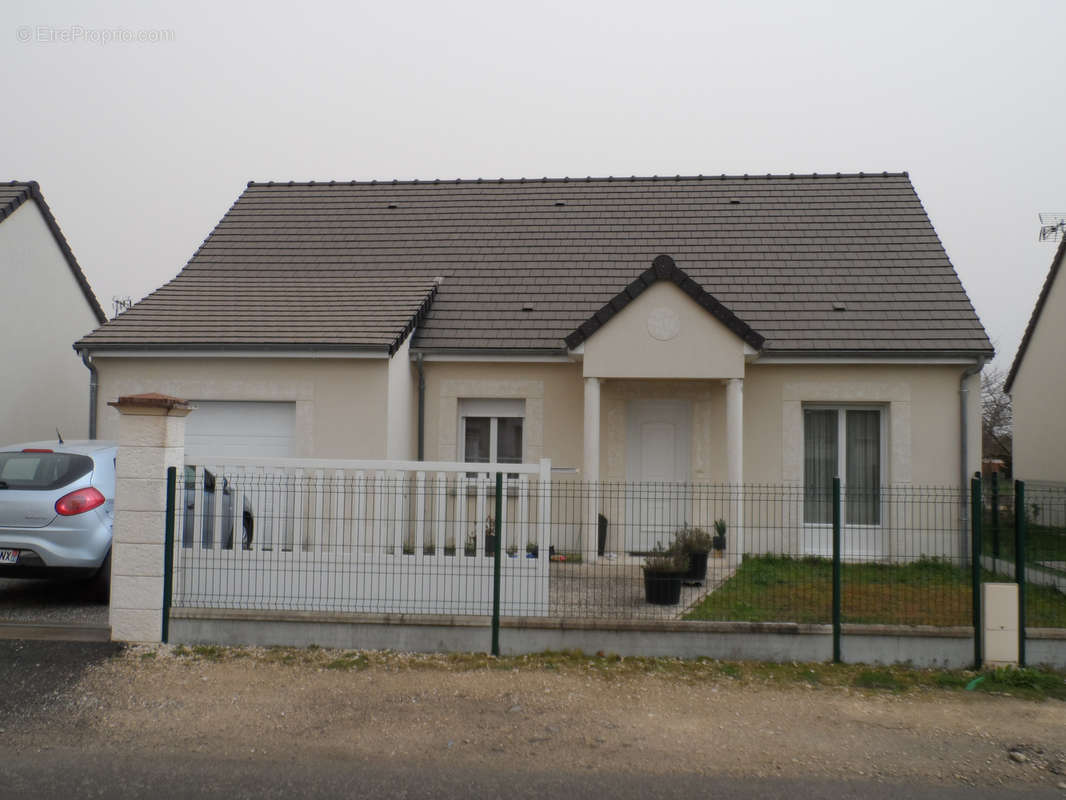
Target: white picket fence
398,537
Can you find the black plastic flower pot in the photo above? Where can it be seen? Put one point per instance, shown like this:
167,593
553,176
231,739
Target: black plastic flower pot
662,588
697,568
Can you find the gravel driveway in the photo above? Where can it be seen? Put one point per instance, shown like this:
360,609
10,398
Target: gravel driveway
50,602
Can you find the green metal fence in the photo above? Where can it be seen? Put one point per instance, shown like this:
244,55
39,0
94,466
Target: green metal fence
453,544
1030,523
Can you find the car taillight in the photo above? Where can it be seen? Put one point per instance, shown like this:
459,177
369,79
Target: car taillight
79,502
37,450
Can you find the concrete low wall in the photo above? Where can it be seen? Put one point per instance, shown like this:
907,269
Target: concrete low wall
1046,646
735,641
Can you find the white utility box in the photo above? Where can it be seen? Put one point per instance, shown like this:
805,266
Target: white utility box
999,611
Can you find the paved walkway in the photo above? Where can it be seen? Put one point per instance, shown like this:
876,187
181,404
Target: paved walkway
614,588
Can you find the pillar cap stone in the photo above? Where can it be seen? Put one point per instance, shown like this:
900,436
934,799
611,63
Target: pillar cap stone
151,403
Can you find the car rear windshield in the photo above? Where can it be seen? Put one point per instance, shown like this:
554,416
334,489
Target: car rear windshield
42,471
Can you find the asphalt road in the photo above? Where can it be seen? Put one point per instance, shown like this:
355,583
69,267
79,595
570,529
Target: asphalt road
36,677
64,774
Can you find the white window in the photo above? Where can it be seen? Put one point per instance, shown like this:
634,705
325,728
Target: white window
845,442
491,431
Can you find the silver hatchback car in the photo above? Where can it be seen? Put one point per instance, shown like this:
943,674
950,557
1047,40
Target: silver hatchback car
57,509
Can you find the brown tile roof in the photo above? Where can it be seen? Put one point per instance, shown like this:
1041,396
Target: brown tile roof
1045,290
12,195
526,262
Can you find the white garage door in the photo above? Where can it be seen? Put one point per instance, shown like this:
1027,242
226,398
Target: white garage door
232,429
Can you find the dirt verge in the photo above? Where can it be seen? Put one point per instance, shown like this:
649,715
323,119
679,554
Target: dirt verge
571,712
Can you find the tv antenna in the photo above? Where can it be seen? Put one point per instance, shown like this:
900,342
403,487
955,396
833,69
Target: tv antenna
1052,227
126,303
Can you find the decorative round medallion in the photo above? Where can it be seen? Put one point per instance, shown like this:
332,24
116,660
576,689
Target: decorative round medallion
664,324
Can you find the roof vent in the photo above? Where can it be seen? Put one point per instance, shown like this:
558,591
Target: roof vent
839,307
560,203
393,205
527,306
734,202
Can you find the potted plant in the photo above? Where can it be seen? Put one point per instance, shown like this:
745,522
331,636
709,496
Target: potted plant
663,571
532,549
718,542
490,540
693,545
490,537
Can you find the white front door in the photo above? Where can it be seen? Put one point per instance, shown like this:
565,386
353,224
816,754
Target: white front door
658,469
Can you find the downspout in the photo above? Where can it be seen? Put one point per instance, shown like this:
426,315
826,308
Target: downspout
421,408
964,452
94,383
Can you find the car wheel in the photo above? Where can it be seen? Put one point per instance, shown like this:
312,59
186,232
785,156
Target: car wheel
102,580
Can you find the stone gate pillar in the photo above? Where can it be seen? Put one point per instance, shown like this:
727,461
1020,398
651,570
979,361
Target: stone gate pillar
151,438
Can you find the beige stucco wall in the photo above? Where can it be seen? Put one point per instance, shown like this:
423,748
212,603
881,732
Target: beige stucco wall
692,343
921,403
921,437
554,405
340,402
1037,395
922,441
44,311
341,409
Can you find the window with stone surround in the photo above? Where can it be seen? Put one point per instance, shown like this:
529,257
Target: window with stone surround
845,442
490,430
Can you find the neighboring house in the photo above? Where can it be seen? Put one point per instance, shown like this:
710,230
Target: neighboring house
770,330
46,304
1037,385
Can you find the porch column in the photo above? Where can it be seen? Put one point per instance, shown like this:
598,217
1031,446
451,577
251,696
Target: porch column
592,469
734,424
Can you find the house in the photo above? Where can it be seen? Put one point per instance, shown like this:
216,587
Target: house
46,304
777,329
1037,383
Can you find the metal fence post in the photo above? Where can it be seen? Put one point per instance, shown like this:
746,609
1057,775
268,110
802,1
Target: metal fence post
168,552
975,567
995,515
1019,563
497,552
836,570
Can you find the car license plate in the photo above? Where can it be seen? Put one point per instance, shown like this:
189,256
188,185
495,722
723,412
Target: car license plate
9,556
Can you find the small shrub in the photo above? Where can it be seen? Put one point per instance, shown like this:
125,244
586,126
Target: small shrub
663,560
730,670
878,679
951,680
354,661
1027,679
209,652
692,540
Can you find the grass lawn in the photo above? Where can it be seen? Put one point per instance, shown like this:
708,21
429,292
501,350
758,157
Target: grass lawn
1035,684
1042,542
926,592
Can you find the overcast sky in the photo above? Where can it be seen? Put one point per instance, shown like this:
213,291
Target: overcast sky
141,146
